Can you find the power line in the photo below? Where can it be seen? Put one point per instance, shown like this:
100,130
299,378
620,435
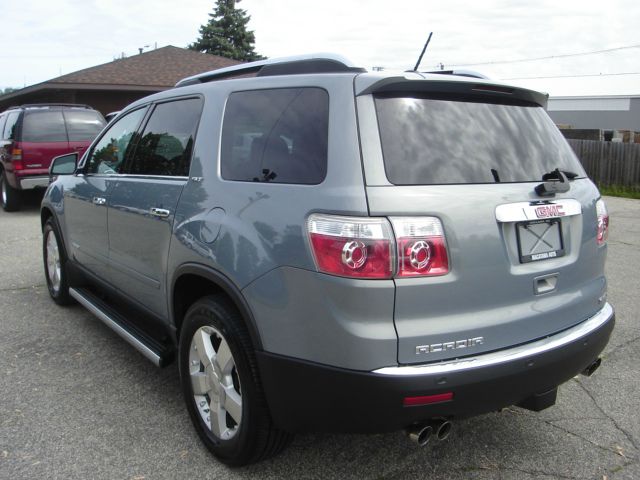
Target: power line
575,76
533,59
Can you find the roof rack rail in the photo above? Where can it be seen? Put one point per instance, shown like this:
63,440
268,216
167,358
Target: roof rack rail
296,65
460,73
37,105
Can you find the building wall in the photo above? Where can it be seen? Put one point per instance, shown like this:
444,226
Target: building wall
599,113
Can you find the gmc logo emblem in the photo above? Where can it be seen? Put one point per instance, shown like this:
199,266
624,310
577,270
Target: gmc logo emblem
547,211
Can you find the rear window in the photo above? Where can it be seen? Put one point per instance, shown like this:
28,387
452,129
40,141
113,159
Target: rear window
83,125
432,141
277,135
43,126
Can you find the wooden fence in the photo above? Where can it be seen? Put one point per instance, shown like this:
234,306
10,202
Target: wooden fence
610,163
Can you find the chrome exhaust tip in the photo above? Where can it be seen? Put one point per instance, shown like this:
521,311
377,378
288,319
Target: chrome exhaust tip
420,434
441,428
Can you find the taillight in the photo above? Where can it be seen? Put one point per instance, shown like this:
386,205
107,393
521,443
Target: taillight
367,248
352,246
422,250
603,222
16,154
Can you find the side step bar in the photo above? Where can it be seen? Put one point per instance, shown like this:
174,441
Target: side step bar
159,354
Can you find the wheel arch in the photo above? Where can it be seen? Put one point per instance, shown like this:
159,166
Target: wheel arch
192,281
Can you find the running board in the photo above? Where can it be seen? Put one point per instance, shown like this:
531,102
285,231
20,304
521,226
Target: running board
159,354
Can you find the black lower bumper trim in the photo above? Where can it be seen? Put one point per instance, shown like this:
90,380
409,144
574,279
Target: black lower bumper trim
305,396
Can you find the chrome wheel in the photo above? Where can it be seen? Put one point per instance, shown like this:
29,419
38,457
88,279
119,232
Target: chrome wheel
215,382
54,270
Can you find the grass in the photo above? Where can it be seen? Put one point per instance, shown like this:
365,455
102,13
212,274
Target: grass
619,191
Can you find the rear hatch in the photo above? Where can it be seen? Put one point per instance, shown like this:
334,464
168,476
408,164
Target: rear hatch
522,264
47,132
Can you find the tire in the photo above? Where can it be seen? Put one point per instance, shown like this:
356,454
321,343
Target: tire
55,259
214,345
10,198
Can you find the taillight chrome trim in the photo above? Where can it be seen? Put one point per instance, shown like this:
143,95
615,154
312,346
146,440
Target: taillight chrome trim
521,352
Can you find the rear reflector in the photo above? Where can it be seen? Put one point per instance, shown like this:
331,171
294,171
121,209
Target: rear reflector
427,400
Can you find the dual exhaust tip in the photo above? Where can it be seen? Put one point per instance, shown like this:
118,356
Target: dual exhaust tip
421,433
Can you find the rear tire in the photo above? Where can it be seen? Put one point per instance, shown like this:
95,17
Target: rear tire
55,260
10,198
221,385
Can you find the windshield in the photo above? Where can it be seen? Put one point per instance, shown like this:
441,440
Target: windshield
431,141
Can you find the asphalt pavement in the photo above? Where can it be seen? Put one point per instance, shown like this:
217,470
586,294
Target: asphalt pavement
77,402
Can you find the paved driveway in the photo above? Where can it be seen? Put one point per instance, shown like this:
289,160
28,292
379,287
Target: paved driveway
77,402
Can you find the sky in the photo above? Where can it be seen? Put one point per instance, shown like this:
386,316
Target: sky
582,47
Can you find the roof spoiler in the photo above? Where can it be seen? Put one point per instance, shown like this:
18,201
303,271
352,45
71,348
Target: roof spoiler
297,65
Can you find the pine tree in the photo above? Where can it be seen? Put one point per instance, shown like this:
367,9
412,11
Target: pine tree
226,33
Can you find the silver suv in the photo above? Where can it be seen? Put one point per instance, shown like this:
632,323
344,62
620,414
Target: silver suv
327,249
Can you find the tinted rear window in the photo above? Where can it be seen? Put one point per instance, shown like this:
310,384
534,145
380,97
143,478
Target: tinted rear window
428,141
83,125
277,135
44,126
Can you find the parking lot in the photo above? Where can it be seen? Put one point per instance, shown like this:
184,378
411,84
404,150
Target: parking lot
77,402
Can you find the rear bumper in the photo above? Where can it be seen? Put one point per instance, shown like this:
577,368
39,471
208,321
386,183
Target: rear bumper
304,396
28,183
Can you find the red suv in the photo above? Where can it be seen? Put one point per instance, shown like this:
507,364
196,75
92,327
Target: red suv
31,135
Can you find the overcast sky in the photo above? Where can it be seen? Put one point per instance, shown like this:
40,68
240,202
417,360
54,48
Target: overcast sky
42,39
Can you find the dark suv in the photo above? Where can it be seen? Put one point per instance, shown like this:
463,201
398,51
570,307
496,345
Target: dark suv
31,135
327,249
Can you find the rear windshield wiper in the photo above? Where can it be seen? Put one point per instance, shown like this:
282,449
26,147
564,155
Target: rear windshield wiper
554,182
555,175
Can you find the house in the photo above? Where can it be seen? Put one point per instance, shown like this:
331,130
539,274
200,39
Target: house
114,85
606,112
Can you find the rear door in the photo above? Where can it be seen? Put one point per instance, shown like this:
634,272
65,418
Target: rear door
521,266
143,201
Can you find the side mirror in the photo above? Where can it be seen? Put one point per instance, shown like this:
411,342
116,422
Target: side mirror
64,164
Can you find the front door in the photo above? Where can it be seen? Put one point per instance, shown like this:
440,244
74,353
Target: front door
86,201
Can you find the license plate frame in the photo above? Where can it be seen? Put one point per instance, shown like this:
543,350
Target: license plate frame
540,240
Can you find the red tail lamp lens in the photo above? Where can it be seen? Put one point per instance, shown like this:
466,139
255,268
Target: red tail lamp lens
351,246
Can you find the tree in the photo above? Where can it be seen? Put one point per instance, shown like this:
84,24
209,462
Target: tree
226,33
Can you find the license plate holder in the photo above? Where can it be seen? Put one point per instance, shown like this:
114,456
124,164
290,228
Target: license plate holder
539,240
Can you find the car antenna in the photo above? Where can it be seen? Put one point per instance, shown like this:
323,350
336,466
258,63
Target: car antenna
424,49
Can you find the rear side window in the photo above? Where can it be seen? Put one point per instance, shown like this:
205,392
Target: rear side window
428,141
9,130
44,126
277,135
167,140
83,125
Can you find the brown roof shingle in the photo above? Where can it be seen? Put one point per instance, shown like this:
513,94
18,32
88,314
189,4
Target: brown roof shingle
162,67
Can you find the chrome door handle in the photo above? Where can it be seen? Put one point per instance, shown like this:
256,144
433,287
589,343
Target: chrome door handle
99,201
160,212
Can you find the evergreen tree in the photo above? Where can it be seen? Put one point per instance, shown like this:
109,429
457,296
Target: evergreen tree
226,33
